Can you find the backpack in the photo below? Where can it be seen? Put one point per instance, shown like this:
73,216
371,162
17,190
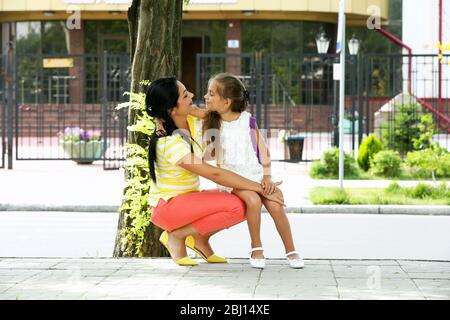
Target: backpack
253,137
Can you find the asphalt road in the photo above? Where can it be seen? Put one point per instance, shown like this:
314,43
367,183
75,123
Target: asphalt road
318,236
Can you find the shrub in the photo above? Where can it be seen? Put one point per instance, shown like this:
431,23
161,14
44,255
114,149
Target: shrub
369,147
427,129
432,162
443,190
318,170
401,132
386,163
394,188
328,166
339,197
422,190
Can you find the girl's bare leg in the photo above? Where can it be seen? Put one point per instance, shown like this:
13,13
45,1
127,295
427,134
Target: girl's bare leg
282,224
253,202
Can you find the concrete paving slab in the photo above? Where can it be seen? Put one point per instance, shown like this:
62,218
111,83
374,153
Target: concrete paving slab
432,284
204,283
429,275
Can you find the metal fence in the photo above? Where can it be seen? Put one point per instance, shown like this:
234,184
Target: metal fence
2,135
242,65
56,95
297,94
116,81
294,94
401,85
3,111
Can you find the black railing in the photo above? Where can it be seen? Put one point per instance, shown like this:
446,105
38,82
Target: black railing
56,93
391,83
293,94
2,115
2,134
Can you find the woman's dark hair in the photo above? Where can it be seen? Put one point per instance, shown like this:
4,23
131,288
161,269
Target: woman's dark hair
162,95
228,87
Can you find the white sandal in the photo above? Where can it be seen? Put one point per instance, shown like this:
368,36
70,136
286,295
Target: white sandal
257,263
295,263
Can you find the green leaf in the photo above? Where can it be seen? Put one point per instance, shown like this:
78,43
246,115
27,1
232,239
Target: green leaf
126,105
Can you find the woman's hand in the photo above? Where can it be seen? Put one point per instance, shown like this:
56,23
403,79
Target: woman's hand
197,112
268,186
277,196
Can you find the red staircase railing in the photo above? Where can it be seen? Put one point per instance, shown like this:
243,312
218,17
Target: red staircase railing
443,122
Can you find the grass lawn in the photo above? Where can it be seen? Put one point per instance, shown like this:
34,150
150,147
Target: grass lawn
333,195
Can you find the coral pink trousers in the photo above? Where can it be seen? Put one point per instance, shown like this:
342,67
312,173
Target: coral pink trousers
207,211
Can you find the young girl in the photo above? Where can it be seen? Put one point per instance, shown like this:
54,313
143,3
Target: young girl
226,102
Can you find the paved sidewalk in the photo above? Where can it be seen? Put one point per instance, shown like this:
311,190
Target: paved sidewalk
145,278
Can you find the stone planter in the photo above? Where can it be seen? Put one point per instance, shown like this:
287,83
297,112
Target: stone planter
84,152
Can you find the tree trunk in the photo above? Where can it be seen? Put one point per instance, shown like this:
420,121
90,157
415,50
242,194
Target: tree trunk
155,39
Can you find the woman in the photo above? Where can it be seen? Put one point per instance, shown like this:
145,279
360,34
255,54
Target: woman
189,217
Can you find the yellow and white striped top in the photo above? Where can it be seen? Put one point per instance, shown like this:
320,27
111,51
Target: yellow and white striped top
171,179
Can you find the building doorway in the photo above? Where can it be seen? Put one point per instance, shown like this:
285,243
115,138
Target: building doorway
189,48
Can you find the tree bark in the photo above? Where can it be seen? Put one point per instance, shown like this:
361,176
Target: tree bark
155,39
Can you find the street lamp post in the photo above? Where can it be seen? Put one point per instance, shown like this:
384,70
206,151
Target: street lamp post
353,46
353,49
323,43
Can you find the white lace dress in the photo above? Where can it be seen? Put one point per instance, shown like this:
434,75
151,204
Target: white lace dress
237,153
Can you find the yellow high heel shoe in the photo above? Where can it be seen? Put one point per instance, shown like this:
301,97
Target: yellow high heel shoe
190,243
185,261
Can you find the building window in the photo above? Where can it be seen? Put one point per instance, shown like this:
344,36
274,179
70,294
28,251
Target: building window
29,37
110,36
47,37
211,32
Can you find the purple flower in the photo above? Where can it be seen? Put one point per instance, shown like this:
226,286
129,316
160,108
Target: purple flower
94,134
72,131
84,136
78,134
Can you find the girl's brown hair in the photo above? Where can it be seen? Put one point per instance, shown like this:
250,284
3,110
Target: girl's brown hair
228,87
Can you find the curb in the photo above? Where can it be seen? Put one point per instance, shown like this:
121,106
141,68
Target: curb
305,209
370,209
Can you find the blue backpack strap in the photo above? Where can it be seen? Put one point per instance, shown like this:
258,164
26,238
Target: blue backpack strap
253,137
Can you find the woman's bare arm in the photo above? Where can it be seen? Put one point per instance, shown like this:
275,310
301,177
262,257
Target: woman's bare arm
225,177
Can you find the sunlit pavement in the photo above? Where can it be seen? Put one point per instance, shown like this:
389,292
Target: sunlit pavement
162,279
59,183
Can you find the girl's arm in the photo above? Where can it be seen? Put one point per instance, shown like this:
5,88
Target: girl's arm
197,112
225,177
264,154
